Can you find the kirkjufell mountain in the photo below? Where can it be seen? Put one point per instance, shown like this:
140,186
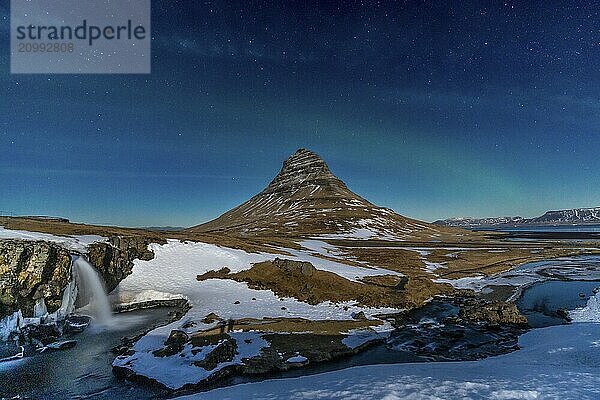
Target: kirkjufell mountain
306,198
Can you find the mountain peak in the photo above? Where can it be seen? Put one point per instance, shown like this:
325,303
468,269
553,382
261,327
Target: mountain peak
306,199
302,150
303,168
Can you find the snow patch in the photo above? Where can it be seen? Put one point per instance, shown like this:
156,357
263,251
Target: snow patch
77,243
359,337
296,359
179,370
469,282
319,249
144,296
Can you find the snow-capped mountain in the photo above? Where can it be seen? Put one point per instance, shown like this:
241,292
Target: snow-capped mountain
568,217
466,222
305,198
573,216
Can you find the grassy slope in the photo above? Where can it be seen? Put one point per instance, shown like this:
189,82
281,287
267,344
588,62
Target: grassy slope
463,253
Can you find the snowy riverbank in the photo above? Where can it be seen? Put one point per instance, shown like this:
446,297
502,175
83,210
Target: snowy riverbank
559,362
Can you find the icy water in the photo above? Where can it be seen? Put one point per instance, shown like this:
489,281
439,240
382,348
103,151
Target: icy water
83,372
568,284
541,301
571,233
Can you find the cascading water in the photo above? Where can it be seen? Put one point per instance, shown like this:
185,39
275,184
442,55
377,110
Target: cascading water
91,295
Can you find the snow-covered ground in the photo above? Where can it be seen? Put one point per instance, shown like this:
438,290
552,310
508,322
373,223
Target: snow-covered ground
175,266
560,362
77,243
172,273
371,228
319,249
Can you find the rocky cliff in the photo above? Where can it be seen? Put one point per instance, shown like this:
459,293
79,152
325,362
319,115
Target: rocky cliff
30,271
114,260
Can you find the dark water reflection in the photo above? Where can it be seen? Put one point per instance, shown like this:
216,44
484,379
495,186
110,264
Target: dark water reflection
541,301
83,372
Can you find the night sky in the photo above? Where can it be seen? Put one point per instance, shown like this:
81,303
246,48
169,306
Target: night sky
431,108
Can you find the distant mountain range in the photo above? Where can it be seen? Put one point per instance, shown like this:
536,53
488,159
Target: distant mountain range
576,216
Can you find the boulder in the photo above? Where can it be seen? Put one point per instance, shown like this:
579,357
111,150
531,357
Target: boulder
76,323
359,316
174,344
392,281
177,337
225,351
301,267
210,318
493,313
42,333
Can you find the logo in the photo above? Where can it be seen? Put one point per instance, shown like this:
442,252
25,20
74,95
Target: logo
80,36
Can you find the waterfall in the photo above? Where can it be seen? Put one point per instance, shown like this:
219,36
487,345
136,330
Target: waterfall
91,295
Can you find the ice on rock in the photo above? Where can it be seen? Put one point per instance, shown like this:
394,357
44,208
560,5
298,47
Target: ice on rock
39,309
67,304
144,296
589,313
10,324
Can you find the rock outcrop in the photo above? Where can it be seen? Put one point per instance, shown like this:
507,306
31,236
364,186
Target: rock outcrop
302,281
114,260
494,313
291,266
30,271
275,344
